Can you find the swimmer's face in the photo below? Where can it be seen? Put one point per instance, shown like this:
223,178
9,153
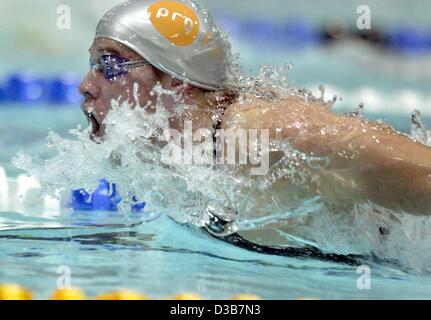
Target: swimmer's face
98,91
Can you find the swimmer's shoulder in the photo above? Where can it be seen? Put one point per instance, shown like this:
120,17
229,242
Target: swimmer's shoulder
257,113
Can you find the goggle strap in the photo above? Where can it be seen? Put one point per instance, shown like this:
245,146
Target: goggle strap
134,64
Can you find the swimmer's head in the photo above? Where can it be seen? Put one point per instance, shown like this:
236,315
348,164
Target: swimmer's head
174,43
177,37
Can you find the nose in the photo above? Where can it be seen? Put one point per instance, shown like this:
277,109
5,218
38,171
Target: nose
88,87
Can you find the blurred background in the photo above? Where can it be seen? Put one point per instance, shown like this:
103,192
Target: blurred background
387,67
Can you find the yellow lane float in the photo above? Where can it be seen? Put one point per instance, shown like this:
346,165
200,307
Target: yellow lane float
123,295
69,294
185,296
17,292
14,292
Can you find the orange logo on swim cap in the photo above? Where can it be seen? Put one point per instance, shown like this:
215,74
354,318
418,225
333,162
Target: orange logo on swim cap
176,21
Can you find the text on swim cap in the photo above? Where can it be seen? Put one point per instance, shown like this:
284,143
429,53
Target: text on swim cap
188,23
176,21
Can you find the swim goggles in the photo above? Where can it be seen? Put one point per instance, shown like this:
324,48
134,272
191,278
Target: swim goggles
114,66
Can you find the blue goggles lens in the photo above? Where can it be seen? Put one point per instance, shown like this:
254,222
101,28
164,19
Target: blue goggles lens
114,66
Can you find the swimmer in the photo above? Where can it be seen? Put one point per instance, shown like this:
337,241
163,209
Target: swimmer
174,44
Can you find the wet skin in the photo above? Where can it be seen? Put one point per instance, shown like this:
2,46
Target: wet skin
368,161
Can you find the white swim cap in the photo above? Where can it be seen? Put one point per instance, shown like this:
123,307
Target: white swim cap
177,37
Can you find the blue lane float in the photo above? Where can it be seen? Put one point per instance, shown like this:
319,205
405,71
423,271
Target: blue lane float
2,95
261,32
293,35
104,198
63,89
409,41
266,31
27,88
298,34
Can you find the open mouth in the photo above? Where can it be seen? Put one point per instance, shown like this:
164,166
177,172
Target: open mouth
96,125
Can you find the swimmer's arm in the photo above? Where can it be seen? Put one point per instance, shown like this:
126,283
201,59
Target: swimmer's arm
368,161
392,170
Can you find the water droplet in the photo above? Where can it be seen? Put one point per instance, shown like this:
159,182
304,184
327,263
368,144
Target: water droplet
359,111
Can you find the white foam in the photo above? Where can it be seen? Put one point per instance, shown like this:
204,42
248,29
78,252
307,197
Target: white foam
24,195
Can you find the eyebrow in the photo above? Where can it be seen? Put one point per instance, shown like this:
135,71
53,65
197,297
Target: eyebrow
106,50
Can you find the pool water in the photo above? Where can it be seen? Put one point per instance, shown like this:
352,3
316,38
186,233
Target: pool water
162,258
